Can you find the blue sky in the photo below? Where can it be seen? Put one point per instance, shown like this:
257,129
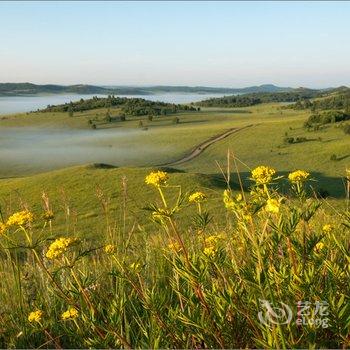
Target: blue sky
176,43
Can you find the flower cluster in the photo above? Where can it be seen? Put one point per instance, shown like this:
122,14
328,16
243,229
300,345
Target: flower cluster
210,248
197,197
298,176
59,246
272,206
71,313
109,248
319,246
35,316
20,218
156,178
174,247
238,205
232,203
2,228
327,228
263,175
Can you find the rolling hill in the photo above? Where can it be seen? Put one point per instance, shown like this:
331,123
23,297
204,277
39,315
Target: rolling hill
22,89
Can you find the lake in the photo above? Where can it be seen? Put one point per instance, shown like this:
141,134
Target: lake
19,104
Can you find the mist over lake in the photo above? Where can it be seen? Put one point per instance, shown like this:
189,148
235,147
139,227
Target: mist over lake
19,104
31,150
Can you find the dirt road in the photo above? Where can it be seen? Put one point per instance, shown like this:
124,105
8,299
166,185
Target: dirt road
204,145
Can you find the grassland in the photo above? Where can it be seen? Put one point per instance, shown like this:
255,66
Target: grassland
160,141
191,279
150,269
260,144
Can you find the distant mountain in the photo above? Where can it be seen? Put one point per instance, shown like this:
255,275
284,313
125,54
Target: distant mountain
209,90
24,89
264,88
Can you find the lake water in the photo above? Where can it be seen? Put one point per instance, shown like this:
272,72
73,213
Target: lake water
18,104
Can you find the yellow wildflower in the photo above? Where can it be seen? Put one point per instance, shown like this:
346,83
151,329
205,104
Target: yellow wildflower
213,239
197,197
2,228
298,176
263,175
209,251
319,246
59,246
239,197
156,178
328,228
228,201
211,244
109,248
71,313
35,316
174,246
21,218
272,206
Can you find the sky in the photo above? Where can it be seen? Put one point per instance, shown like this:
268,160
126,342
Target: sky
229,44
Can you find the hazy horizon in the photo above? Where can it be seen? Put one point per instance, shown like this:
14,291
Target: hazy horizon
218,44
171,85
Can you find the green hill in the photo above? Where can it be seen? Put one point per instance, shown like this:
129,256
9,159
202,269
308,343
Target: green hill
77,195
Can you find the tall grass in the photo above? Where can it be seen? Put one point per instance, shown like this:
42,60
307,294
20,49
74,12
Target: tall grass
174,288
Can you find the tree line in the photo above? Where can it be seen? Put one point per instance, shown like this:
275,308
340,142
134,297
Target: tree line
129,106
252,99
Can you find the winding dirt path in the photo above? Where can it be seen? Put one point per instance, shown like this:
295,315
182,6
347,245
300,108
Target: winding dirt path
204,145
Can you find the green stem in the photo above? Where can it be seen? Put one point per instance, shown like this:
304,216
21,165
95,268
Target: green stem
162,197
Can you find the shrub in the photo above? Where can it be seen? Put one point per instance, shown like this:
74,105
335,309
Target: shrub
288,140
326,118
300,139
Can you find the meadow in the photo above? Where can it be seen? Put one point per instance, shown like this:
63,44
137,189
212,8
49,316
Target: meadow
104,251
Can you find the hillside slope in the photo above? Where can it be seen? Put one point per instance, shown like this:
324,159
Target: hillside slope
76,195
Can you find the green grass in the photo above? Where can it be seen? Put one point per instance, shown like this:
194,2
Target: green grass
263,144
188,298
80,191
143,293
260,144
